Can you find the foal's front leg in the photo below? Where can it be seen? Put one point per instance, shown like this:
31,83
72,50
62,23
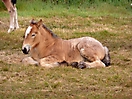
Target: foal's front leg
29,61
49,62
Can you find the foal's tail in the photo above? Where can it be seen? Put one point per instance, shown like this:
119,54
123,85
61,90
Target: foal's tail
106,59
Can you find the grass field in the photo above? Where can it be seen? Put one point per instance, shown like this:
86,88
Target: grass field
111,27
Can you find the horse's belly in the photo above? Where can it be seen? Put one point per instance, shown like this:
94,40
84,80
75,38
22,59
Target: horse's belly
73,56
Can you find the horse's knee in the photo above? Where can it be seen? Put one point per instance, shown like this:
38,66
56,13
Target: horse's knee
88,55
49,65
29,61
45,64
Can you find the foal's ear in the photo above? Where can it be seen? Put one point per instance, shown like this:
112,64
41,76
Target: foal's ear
32,21
39,23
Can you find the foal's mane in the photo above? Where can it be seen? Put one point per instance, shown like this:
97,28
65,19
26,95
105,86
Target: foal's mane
47,29
54,35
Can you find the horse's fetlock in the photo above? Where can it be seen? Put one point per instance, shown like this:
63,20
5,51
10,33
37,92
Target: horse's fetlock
63,63
74,64
82,65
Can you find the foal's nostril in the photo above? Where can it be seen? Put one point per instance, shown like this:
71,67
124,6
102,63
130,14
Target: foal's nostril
26,48
9,11
25,51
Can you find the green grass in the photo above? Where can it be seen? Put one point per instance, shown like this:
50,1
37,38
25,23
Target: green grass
61,10
37,82
83,8
110,27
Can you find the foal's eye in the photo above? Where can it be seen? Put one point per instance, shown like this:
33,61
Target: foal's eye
33,35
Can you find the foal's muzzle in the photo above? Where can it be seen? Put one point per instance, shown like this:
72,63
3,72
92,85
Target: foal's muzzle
26,49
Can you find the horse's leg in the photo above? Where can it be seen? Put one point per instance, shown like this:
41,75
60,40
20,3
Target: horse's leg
94,64
44,63
82,64
49,62
8,5
91,57
11,28
29,61
15,19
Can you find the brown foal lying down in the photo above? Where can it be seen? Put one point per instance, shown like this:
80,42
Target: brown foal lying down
48,50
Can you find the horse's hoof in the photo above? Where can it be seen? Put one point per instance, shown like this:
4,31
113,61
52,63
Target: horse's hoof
74,64
63,63
10,30
81,65
107,64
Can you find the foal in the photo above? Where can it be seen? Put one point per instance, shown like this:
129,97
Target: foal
11,7
48,50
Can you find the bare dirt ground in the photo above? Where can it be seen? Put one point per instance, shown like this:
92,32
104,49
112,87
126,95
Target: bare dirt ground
11,57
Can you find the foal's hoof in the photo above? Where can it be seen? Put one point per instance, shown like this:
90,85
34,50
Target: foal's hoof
107,64
63,63
74,64
81,65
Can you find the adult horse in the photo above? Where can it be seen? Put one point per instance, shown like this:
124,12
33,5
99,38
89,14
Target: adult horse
48,50
11,7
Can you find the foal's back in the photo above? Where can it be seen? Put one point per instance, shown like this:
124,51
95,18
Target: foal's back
79,48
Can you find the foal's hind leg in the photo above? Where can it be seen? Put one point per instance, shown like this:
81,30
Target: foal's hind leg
94,64
91,58
82,64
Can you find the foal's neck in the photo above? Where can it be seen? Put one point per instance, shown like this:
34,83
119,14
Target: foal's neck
46,43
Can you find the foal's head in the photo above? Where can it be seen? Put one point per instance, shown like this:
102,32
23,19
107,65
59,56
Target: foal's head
32,36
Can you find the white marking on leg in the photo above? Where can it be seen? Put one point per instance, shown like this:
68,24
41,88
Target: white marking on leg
11,28
16,20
